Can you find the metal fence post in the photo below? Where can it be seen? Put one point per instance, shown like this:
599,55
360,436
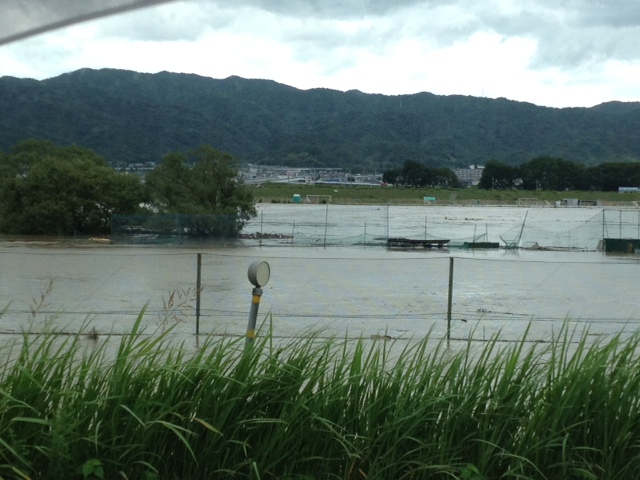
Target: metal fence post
449,301
198,289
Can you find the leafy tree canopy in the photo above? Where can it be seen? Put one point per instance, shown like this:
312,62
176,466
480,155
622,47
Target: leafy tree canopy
202,184
48,189
498,175
551,173
415,174
611,176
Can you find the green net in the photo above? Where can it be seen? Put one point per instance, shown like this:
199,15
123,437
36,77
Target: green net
170,226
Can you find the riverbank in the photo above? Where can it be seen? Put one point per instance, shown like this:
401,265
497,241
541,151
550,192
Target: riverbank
380,195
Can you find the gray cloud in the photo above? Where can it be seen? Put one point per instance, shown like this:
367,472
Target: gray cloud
569,34
572,33
20,20
182,21
611,13
329,9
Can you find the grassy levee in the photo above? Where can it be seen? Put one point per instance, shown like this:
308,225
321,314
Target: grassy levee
355,194
317,408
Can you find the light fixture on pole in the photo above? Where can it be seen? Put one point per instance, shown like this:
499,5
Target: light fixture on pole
259,273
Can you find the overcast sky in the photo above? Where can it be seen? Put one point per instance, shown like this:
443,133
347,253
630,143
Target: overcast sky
557,53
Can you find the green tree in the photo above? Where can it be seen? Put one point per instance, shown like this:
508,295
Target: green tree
611,176
48,189
414,174
550,173
391,176
497,175
204,187
444,177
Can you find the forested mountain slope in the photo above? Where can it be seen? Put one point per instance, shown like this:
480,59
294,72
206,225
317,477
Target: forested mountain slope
134,117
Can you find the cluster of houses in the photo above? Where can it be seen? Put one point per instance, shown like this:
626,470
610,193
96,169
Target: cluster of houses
256,174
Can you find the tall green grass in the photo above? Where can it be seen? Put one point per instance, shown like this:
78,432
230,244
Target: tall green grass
319,408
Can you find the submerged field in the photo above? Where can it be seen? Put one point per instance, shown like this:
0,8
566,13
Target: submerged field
319,408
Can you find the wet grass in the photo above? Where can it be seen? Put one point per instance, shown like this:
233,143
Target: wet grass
319,408
344,194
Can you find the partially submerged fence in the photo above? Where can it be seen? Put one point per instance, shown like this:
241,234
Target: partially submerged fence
512,227
356,225
166,228
362,294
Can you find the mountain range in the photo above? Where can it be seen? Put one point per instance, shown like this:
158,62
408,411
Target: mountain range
131,117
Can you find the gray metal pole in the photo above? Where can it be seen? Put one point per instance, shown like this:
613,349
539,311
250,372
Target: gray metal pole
198,289
326,221
387,220
450,301
261,229
253,315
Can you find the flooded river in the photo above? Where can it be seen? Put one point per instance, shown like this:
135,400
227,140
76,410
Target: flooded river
329,273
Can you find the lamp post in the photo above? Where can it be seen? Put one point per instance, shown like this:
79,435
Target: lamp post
259,273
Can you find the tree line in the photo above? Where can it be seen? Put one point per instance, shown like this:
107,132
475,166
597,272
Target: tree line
415,174
551,173
50,189
541,173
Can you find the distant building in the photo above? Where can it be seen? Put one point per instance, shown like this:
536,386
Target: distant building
256,174
469,176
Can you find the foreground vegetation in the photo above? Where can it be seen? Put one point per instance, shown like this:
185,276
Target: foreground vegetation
354,194
316,408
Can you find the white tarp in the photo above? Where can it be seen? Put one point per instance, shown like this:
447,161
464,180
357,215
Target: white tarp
23,18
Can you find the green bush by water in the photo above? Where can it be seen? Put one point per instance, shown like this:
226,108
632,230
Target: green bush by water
318,408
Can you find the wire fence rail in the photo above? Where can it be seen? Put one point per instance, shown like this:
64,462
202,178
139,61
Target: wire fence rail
360,294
